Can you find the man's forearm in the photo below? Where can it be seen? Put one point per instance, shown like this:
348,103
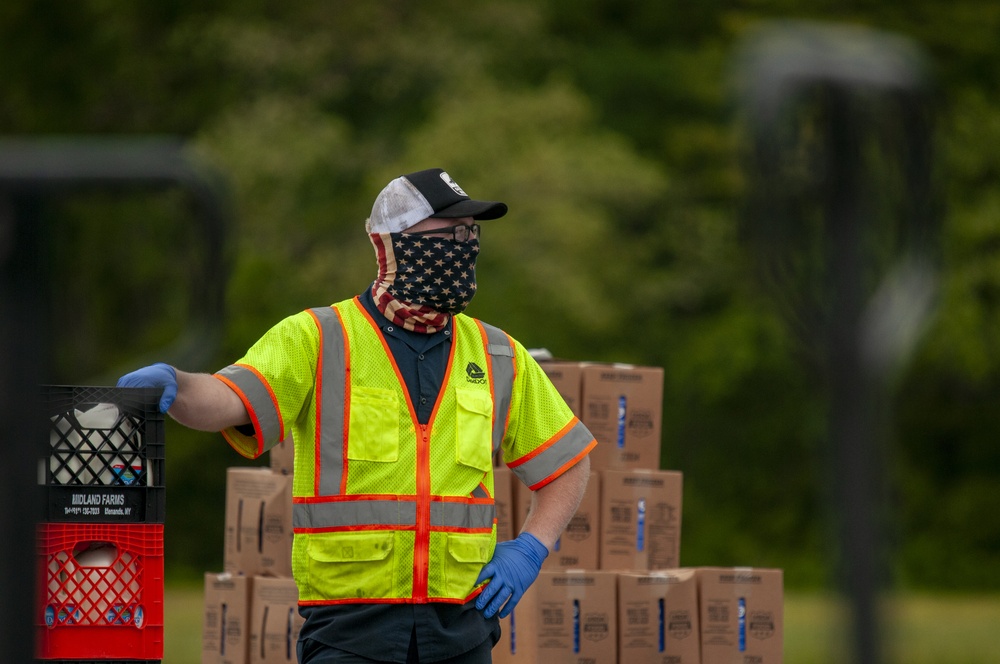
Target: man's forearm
554,504
206,403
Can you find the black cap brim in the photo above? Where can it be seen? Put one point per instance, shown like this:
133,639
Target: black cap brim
480,210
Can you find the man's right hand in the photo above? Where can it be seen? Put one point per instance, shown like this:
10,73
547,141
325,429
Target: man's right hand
515,566
155,375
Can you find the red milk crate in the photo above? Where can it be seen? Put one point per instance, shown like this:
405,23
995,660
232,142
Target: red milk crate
100,591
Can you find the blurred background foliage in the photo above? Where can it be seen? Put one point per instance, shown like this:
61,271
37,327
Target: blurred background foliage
608,126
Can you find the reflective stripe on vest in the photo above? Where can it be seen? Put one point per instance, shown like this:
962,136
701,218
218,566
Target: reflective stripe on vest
257,392
330,400
395,513
501,354
550,458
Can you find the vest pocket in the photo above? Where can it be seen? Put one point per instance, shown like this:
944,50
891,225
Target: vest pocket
466,556
351,565
474,433
374,421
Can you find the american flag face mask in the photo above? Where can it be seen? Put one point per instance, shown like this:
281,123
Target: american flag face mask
423,279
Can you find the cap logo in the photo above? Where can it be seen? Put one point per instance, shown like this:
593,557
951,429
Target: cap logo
454,185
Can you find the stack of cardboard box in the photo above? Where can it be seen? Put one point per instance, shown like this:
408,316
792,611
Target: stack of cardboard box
613,589
251,608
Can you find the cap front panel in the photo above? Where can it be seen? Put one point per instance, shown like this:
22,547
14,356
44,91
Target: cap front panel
398,207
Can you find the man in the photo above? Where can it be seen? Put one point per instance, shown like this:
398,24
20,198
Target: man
398,404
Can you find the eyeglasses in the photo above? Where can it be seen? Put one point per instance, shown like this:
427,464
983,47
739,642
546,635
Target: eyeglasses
461,233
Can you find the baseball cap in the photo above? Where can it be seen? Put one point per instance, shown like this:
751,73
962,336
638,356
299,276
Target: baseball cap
412,198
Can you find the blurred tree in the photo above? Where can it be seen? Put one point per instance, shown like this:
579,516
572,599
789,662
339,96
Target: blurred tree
607,127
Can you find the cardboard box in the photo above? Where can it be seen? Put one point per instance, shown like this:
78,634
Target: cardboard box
503,490
283,456
578,547
622,405
225,622
258,522
567,379
565,617
275,622
658,617
640,519
741,615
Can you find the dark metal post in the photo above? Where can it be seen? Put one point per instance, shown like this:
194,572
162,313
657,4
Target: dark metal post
853,395
828,80
32,172
22,334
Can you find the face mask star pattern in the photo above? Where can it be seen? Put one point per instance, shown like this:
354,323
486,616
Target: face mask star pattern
423,279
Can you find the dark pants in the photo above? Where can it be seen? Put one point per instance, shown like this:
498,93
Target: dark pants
313,652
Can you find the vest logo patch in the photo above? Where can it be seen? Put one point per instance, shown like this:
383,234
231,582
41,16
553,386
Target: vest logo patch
474,373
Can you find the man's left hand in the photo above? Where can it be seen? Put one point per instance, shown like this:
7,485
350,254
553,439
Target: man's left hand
514,567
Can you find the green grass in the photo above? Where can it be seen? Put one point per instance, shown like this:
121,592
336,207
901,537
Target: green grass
920,629
954,629
182,625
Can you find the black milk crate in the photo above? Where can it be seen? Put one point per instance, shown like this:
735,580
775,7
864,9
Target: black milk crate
105,461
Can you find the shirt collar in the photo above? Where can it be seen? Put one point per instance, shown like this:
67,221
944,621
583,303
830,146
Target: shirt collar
418,341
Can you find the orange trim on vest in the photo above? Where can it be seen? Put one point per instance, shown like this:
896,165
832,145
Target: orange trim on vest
422,538
352,498
317,447
344,461
422,544
357,600
489,361
388,354
465,500
566,466
485,341
544,446
513,381
250,411
395,527
396,600
318,427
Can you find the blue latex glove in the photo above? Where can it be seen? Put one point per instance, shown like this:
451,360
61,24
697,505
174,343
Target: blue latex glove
514,567
155,375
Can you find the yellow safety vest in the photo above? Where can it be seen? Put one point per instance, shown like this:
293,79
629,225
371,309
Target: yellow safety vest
386,509
399,510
